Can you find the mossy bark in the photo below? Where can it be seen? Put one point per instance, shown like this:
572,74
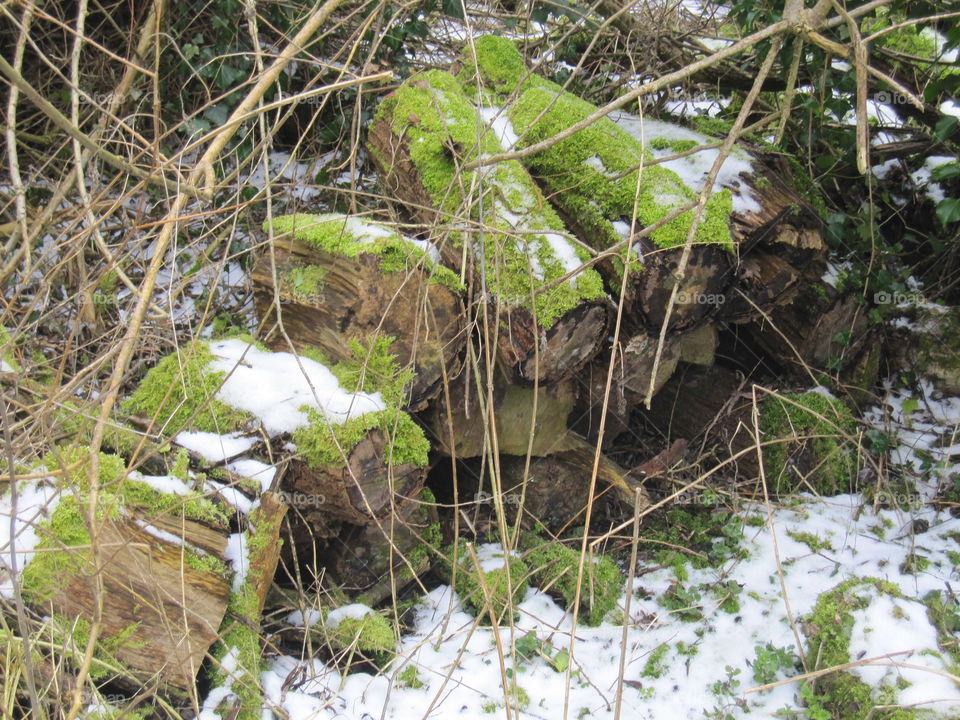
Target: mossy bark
549,326
165,599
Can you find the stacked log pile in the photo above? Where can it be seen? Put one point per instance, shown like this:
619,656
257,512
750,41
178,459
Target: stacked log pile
481,340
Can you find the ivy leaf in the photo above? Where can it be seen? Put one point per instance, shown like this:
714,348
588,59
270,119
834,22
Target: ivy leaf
945,171
454,8
561,661
949,210
945,127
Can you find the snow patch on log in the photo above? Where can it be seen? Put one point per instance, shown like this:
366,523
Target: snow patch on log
36,500
277,388
666,139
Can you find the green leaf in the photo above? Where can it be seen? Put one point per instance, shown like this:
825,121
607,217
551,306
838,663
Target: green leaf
945,171
910,405
561,661
949,210
454,8
945,127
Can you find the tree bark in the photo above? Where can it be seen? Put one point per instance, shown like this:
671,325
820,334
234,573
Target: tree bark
358,300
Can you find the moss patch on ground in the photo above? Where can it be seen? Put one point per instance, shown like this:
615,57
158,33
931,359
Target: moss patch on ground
823,424
553,568
499,589
178,393
372,635
593,174
520,230
351,237
828,629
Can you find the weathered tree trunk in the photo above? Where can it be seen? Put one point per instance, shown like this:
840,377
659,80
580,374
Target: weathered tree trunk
510,238
330,300
166,609
634,361
371,561
462,430
555,490
360,492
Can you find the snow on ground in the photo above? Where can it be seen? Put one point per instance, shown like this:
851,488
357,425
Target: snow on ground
702,657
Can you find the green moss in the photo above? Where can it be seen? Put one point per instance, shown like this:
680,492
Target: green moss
912,39
7,347
810,540
71,635
943,611
591,174
179,388
655,666
351,237
498,582
372,635
826,421
440,124
65,534
828,633
304,282
410,678
553,568
373,369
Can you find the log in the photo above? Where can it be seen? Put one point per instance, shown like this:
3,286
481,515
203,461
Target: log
355,447
513,410
549,325
593,179
343,279
633,366
374,560
555,491
159,572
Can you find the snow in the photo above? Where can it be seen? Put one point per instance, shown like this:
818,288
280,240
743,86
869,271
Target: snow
36,499
167,484
276,387
921,176
228,665
230,495
499,121
162,535
708,665
254,470
307,618
239,558
213,447
354,611
898,634
694,168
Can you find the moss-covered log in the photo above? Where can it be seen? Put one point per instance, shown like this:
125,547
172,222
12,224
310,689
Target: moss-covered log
354,447
339,280
158,571
499,228
602,174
